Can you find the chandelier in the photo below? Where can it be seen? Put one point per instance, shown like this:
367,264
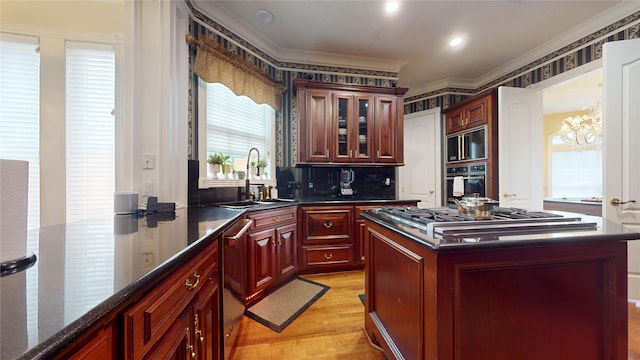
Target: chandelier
583,129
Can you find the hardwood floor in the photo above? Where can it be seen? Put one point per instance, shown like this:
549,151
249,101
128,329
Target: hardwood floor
332,328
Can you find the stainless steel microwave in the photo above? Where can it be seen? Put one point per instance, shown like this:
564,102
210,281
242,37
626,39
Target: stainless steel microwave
467,145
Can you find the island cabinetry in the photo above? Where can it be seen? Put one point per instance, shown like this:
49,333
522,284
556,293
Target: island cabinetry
349,124
179,316
542,301
360,226
273,250
327,237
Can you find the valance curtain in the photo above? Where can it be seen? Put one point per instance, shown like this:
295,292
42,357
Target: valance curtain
217,64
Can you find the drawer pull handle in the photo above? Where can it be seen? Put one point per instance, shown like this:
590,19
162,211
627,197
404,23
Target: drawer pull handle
276,219
329,256
189,349
188,283
328,224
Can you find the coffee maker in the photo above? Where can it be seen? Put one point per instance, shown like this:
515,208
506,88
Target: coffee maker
346,178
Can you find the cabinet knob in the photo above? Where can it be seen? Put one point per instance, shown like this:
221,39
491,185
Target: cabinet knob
328,224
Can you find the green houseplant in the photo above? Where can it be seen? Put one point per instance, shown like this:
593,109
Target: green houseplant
216,160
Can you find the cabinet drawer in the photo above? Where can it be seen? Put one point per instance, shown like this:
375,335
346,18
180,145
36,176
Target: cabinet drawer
331,224
328,255
148,320
272,218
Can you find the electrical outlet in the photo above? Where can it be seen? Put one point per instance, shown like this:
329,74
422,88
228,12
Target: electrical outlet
147,189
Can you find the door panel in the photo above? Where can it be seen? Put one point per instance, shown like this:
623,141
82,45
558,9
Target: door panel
420,178
520,147
621,149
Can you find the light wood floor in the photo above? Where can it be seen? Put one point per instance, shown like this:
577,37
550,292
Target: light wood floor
332,328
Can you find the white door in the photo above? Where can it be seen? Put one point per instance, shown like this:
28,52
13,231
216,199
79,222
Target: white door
420,177
621,144
520,148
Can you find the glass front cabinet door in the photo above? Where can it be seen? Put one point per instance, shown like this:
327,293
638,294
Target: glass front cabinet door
353,128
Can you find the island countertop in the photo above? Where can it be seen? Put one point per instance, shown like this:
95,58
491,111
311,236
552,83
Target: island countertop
605,231
87,268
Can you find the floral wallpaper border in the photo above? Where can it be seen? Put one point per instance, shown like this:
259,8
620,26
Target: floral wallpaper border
571,56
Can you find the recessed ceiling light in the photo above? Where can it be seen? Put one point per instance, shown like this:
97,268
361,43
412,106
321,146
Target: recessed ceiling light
391,7
456,41
264,16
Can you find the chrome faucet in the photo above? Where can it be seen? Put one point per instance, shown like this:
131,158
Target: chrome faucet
247,187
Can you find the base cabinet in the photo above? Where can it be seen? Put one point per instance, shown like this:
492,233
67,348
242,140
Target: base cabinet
537,302
264,258
327,237
179,318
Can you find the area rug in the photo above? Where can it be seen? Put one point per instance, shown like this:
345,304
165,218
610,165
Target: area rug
361,296
283,306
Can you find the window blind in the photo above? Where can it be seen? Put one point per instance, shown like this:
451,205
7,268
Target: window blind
20,111
90,130
235,124
90,175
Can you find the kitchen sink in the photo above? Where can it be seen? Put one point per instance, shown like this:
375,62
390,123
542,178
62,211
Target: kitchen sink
246,204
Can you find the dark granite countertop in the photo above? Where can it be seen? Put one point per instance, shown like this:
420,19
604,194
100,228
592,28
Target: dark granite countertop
606,231
47,305
86,269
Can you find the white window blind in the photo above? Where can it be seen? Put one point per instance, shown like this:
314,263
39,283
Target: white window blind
235,124
571,162
20,111
90,175
90,130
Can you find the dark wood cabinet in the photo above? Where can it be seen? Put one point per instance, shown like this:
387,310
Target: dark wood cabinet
272,256
327,237
471,113
542,301
180,316
477,113
349,124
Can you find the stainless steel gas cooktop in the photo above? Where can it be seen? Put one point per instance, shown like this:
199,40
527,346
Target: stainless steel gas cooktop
504,221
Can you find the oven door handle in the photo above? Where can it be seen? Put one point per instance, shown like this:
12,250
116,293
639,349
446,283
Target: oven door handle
467,177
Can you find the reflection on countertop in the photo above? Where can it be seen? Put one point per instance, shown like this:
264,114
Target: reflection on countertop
86,268
589,206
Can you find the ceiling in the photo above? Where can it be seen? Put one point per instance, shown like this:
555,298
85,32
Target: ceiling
499,36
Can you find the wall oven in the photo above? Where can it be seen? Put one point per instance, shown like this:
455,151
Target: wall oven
473,177
467,145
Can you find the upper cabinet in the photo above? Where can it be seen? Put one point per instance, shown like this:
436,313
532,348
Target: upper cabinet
475,112
349,124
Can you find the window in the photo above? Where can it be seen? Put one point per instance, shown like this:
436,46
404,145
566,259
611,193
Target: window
90,174
20,111
236,124
90,130
571,162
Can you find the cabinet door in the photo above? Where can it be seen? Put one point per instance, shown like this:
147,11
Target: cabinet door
101,346
316,125
477,113
363,128
454,121
206,322
176,344
287,251
389,129
263,257
344,138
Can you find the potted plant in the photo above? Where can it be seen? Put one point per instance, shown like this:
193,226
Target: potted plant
252,169
263,167
215,161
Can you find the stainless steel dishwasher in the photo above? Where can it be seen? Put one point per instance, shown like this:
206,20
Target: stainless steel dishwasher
234,242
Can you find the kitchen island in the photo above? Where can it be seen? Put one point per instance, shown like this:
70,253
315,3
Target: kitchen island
542,295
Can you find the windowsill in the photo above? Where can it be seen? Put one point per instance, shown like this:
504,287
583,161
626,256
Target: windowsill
220,183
